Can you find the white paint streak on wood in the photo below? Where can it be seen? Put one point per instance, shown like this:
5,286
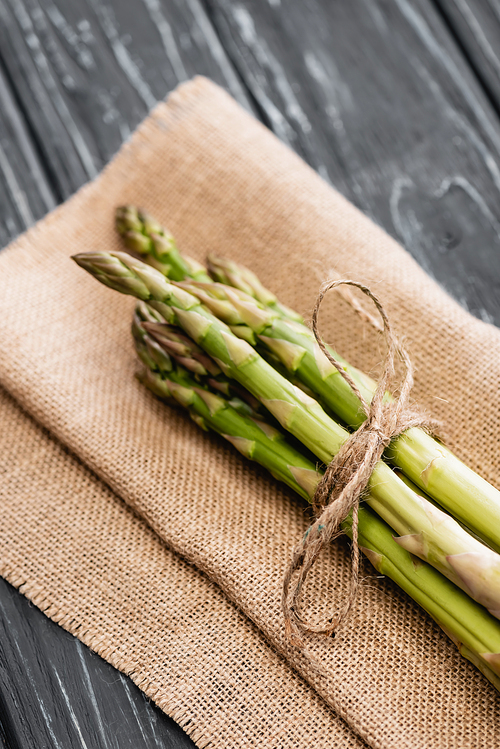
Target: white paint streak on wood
91,691
49,82
495,6
377,16
461,123
82,53
474,195
266,60
18,124
18,195
336,92
337,102
409,227
69,706
440,54
478,34
217,51
169,45
121,53
27,668
126,686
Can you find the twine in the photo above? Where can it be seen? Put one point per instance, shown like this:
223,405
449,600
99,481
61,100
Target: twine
346,478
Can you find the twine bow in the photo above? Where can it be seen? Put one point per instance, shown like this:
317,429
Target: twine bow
346,477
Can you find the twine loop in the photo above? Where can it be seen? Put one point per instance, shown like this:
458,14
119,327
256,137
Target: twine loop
346,478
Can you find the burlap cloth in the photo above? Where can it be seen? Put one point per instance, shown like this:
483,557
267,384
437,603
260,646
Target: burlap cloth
200,630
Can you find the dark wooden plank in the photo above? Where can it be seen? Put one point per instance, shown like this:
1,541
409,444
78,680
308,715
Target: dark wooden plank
411,139
87,72
476,25
72,88
55,693
26,194
376,95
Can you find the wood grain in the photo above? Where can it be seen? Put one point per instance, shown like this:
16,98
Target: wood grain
87,72
476,26
26,193
54,692
73,85
378,98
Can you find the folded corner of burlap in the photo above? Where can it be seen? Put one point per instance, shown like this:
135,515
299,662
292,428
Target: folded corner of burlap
163,544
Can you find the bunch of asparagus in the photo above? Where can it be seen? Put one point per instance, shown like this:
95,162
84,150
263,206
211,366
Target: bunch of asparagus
245,366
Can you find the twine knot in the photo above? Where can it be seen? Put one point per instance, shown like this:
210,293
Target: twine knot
347,476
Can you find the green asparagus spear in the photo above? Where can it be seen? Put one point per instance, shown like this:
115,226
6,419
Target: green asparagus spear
427,531
141,233
155,334
429,464
474,631
232,274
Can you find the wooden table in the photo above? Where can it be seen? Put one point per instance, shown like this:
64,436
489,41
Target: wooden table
395,102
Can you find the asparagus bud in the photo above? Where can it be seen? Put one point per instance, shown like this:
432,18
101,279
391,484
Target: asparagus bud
232,274
141,233
402,508
474,631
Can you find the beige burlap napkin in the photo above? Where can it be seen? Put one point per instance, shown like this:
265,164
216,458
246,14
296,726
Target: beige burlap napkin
86,560
222,182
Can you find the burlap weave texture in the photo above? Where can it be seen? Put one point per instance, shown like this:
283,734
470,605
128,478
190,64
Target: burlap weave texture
93,566
222,183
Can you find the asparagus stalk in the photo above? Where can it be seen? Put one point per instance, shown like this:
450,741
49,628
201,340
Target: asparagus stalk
232,274
476,568
148,328
253,437
475,632
424,529
141,233
430,465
